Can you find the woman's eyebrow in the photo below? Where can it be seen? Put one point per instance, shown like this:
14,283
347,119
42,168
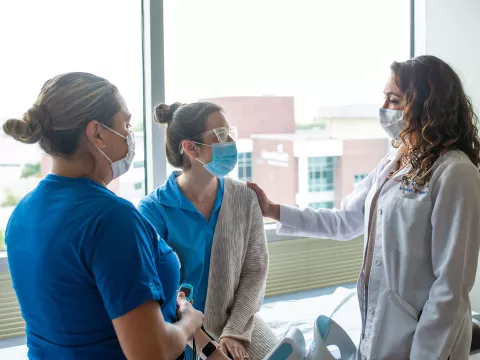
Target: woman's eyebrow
392,93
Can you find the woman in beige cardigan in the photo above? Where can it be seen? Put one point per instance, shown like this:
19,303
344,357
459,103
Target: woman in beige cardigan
215,226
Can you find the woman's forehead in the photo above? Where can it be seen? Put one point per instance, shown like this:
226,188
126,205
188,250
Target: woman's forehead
216,120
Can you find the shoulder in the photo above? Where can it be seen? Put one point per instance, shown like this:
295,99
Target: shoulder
391,156
120,211
167,194
239,190
150,200
456,168
238,193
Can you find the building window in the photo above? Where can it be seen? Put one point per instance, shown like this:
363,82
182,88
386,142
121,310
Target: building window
322,205
359,177
138,185
320,173
245,166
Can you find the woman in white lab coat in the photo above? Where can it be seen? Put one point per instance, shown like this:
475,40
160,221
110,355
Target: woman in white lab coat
419,211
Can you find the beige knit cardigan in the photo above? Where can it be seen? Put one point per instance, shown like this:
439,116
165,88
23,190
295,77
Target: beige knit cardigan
238,272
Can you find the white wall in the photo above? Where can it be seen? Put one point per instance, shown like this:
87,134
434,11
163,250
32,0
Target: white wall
450,29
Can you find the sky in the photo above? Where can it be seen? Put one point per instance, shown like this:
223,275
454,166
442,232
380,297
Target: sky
321,52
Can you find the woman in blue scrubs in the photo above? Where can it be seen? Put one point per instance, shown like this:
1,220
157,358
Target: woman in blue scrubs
215,226
93,278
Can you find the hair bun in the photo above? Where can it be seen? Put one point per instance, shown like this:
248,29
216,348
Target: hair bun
30,129
164,113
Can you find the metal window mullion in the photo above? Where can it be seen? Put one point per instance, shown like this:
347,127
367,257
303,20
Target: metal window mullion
154,91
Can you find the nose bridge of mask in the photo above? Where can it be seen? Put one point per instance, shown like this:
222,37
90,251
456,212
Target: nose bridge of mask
388,116
224,158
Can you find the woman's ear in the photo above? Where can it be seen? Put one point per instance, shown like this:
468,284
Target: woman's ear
190,148
96,134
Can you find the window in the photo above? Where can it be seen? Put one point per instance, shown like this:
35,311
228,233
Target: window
359,177
301,115
75,48
289,101
322,205
320,174
245,166
304,97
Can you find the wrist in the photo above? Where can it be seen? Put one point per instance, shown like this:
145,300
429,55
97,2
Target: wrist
188,324
274,211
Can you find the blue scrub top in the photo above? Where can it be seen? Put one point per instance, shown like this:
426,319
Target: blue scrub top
186,230
80,257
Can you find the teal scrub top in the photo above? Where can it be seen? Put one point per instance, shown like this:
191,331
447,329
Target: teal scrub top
186,230
80,257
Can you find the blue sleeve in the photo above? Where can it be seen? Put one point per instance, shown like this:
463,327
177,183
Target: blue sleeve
151,210
123,261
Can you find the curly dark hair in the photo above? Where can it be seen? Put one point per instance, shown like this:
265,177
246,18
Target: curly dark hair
438,113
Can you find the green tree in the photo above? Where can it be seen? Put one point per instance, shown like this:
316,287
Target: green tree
137,127
317,123
31,170
2,240
10,200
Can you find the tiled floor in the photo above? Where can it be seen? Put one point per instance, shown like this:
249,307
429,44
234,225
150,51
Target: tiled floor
297,310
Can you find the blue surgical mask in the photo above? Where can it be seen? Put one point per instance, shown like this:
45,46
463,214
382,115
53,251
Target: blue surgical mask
224,159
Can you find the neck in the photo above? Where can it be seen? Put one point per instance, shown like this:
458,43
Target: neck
78,167
198,186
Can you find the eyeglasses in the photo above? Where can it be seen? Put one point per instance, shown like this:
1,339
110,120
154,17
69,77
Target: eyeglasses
223,134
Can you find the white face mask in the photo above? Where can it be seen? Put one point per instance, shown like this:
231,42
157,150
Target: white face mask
121,166
392,122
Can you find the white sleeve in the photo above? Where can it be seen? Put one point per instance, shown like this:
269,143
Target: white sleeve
455,245
344,224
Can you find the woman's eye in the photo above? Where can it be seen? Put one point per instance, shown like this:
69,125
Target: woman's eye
393,101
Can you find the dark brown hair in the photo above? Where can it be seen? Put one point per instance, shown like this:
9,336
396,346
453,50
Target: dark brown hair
438,113
64,107
184,122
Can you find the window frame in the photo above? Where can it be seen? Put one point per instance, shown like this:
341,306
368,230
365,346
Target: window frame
154,93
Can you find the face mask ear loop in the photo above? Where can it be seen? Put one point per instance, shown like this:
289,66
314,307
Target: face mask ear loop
106,157
115,132
183,151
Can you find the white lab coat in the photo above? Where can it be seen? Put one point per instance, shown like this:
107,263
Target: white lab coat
424,259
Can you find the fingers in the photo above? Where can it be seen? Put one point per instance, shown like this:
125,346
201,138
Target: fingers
235,349
258,190
181,299
253,186
243,353
234,353
223,347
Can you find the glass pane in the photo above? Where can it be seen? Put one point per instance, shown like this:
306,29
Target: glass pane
56,36
323,64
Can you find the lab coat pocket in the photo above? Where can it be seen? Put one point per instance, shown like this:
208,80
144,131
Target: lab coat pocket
408,226
395,334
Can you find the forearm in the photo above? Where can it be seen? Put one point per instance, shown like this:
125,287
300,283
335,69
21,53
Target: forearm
273,212
177,337
248,300
344,224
